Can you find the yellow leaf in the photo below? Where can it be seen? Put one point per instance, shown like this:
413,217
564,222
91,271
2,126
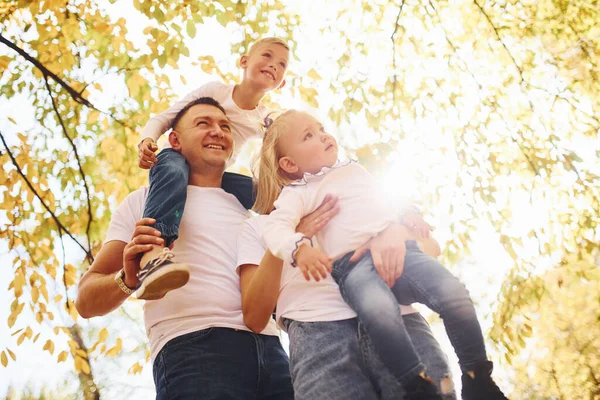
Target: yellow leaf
4,61
35,294
39,317
62,356
115,350
314,74
103,335
36,337
57,298
21,338
4,359
49,346
12,120
190,28
98,87
183,79
12,355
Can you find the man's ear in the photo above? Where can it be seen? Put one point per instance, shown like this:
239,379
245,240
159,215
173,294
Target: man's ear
244,61
174,140
281,85
288,165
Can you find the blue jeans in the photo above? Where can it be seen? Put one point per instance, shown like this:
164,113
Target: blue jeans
335,360
168,192
223,364
425,281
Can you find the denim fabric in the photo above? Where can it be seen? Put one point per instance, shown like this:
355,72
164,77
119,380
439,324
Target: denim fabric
241,186
424,280
168,193
378,312
336,360
429,351
428,282
222,363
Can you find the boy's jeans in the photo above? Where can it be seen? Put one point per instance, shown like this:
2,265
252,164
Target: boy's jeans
335,360
424,280
168,192
222,363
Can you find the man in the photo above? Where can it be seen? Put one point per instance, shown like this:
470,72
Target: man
199,343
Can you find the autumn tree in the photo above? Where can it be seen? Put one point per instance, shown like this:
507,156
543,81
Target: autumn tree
498,101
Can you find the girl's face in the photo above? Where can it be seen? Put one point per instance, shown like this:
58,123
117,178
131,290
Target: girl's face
305,146
266,66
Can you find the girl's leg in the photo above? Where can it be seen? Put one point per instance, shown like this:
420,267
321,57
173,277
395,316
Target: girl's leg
165,203
426,281
377,310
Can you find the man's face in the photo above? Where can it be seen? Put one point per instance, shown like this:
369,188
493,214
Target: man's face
203,135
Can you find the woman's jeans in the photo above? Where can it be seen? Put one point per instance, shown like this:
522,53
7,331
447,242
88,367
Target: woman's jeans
424,280
168,192
335,360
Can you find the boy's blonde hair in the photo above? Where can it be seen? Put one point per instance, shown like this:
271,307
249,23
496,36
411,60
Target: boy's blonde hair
267,40
271,178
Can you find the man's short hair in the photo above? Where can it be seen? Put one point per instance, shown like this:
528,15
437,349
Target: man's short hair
201,100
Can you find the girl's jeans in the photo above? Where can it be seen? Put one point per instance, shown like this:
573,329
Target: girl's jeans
425,281
168,192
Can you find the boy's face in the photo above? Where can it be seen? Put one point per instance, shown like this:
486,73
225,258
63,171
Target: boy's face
266,65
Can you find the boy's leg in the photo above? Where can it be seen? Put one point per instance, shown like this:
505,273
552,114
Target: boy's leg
241,186
165,203
378,312
429,352
275,380
326,361
425,280
211,364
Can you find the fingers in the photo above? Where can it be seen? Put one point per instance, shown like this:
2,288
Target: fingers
148,154
132,250
358,254
146,221
145,164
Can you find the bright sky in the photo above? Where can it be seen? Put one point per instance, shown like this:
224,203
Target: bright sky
482,272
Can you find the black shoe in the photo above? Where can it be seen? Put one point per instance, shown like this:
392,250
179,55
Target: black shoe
421,388
478,384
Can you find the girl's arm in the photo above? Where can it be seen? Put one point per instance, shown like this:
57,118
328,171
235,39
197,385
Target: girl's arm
259,284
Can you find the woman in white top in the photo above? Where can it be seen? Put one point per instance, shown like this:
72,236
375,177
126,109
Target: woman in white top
299,166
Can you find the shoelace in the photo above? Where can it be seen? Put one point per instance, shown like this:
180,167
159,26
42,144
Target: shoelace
166,255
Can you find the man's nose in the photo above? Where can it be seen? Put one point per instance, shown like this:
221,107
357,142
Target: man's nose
216,131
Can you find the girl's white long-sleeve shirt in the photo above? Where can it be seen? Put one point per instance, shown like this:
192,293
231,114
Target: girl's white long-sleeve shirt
364,212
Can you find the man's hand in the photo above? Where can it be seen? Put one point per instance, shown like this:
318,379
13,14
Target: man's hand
312,223
312,262
414,221
142,240
147,158
388,250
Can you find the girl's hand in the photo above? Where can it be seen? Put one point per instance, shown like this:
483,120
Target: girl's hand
414,221
312,262
312,223
141,241
388,250
146,157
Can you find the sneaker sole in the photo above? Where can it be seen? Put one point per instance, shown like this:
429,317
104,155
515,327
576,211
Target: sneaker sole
157,285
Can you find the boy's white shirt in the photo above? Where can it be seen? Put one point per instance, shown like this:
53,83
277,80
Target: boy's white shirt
245,124
207,243
299,299
364,211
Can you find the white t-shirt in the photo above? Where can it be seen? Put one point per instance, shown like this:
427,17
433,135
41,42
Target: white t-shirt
245,124
207,243
299,299
364,211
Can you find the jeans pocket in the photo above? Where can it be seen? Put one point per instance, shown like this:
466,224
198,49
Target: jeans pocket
187,339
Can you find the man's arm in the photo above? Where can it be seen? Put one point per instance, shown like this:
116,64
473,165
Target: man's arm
98,292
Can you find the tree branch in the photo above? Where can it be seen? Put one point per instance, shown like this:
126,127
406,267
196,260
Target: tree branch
46,72
54,217
393,39
64,129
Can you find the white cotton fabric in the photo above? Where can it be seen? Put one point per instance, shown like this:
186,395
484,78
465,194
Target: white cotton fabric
299,299
207,243
246,124
364,211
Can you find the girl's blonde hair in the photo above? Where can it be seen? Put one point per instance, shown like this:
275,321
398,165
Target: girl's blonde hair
271,178
267,40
